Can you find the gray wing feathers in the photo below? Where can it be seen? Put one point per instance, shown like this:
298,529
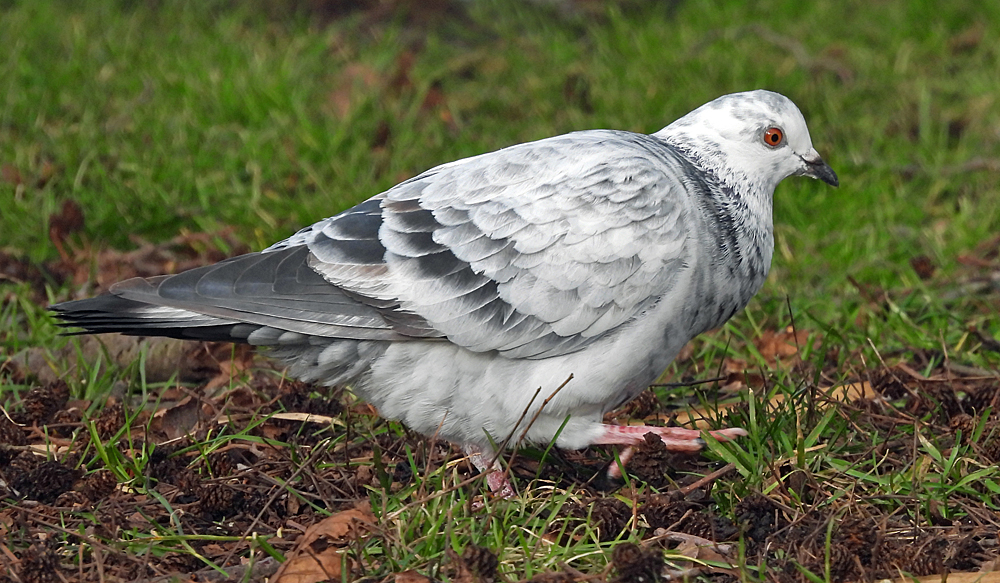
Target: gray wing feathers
533,251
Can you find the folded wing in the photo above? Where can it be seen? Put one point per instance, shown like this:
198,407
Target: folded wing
533,251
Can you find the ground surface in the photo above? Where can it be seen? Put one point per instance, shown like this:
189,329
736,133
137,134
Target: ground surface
145,138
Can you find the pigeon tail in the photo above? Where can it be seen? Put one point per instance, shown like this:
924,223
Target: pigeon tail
108,313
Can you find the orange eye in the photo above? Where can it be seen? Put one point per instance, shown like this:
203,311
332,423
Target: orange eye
773,136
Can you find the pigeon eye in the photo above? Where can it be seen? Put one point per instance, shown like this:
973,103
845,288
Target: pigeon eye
773,136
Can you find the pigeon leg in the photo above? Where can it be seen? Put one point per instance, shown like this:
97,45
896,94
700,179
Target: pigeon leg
496,479
674,438
615,469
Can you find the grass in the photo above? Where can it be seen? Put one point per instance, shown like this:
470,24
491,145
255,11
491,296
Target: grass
158,119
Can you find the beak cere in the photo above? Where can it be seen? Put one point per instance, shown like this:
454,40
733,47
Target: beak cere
820,170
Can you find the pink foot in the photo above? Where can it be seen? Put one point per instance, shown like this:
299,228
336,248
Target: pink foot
674,438
615,469
496,479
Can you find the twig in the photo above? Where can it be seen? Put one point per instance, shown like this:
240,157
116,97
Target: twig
706,479
972,372
690,383
534,417
544,403
431,444
506,441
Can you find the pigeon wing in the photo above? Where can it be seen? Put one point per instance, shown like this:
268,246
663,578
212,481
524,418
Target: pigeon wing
533,251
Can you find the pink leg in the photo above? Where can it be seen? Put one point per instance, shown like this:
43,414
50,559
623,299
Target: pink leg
615,469
675,438
496,479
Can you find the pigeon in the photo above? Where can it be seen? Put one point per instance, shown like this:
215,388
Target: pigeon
520,293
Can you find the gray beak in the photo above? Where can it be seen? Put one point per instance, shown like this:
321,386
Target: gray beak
818,169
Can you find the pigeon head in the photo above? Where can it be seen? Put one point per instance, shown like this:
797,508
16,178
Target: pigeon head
756,137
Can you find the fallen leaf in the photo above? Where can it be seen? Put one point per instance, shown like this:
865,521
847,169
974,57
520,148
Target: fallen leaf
783,346
179,420
698,548
214,550
968,40
183,252
230,361
319,553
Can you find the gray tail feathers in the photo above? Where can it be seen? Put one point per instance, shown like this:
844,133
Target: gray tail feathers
111,313
229,301
332,361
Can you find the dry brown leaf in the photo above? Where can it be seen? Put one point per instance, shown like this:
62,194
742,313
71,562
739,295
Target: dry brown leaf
214,550
180,419
319,553
698,548
968,40
923,266
782,347
229,367
685,353
273,432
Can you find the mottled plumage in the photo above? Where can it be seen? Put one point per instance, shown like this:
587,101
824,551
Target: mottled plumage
449,299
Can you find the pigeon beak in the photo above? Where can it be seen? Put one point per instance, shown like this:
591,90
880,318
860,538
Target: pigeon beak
818,169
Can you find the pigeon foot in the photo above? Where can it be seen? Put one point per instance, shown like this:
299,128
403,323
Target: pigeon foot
496,478
674,438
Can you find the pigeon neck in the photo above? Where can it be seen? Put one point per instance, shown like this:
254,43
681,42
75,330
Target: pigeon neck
737,209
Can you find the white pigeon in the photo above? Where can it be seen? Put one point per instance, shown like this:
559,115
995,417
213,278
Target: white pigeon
460,301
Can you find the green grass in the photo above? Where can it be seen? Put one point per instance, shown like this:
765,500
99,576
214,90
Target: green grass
163,117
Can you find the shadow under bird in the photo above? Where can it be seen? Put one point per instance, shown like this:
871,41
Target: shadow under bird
448,300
